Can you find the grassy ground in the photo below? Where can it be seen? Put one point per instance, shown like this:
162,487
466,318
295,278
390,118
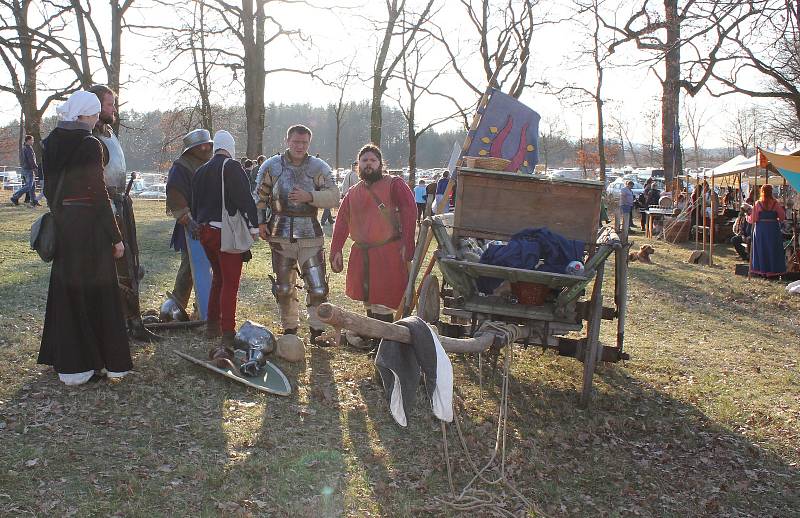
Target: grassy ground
704,420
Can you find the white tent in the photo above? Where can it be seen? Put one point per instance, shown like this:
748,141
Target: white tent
735,165
742,164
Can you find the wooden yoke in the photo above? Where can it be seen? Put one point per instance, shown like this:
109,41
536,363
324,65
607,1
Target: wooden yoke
372,328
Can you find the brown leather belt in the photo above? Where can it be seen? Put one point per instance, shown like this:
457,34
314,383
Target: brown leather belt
365,261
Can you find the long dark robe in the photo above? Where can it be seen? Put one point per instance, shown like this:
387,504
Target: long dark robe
84,327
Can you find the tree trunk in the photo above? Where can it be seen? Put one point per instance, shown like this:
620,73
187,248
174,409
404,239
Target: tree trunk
116,53
254,74
601,142
86,74
670,100
338,136
696,155
598,98
376,114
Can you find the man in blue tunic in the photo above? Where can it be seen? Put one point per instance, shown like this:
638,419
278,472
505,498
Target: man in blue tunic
196,152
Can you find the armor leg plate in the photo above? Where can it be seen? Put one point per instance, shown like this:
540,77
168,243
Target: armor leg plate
285,272
314,277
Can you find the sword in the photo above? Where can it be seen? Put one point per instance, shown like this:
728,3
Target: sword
133,270
130,184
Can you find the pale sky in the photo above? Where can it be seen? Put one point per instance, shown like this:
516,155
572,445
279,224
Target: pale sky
345,34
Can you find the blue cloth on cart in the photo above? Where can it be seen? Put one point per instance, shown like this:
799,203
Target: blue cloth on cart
527,249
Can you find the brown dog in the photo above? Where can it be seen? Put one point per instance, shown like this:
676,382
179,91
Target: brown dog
643,255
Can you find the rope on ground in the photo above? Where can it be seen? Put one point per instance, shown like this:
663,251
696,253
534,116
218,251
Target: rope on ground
475,500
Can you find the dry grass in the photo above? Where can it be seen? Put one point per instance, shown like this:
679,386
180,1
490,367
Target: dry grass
703,420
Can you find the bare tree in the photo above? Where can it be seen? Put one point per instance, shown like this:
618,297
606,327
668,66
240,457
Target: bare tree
255,31
651,118
502,32
768,45
417,83
396,24
598,51
694,120
191,45
26,52
622,129
687,39
341,108
740,131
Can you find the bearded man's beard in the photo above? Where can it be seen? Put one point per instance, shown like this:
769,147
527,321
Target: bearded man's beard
370,175
106,119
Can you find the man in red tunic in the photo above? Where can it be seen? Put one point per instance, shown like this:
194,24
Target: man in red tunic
379,215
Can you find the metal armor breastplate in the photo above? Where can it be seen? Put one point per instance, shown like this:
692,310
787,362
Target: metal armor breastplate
293,220
115,172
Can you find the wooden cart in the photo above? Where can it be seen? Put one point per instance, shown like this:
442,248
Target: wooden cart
495,205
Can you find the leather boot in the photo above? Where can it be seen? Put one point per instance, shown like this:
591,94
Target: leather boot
137,331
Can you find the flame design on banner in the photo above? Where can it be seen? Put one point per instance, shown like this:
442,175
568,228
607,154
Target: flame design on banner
507,129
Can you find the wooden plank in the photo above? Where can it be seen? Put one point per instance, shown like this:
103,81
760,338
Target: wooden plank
373,328
494,306
474,270
593,346
555,327
566,181
497,205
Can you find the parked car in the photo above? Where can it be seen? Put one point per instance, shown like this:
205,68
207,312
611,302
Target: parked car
11,179
157,191
616,186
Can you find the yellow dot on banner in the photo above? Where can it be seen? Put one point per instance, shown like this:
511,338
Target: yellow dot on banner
483,152
530,147
493,129
525,163
486,140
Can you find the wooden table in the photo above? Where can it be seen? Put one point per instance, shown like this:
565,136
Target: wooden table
651,216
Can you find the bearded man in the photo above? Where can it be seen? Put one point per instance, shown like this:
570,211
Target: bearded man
379,215
129,270
292,186
196,152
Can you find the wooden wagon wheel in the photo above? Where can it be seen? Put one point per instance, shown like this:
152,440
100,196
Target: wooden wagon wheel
593,346
429,305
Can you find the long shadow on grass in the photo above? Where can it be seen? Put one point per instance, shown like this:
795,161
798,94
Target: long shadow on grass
638,450
683,292
153,441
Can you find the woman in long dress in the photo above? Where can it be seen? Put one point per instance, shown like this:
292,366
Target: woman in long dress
84,327
767,257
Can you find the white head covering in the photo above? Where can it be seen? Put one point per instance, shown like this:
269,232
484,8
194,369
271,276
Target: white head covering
224,140
79,103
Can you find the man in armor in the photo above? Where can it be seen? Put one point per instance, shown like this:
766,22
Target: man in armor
291,188
197,150
129,270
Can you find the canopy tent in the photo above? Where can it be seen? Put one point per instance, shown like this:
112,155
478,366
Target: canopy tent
787,166
741,164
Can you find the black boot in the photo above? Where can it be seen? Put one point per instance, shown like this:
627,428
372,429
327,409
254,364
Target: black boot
137,331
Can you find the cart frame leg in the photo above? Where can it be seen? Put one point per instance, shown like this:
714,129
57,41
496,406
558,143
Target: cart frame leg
592,352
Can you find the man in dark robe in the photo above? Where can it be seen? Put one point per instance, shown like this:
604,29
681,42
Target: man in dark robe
196,152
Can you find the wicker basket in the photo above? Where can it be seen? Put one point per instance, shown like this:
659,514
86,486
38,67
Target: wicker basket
487,162
531,293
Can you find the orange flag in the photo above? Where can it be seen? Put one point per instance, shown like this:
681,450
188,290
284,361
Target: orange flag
763,161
